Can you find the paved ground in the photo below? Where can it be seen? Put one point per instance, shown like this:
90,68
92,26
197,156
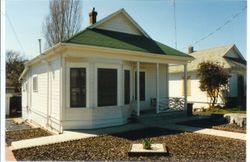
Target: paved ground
10,125
162,121
213,132
9,155
169,123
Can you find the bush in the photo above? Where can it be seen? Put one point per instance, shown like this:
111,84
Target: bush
147,142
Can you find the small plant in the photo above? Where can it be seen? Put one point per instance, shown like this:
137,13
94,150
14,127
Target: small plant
147,143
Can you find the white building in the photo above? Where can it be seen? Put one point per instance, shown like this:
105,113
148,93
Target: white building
90,80
228,56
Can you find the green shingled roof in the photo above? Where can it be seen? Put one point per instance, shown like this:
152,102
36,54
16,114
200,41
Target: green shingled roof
118,40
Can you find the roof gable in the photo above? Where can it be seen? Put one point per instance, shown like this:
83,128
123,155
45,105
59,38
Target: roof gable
234,55
228,56
136,40
120,21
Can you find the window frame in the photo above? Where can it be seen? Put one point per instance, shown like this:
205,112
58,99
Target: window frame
124,84
117,87
84,106
35,87
68,66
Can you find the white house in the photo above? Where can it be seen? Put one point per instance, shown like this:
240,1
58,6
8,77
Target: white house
91,80
228,56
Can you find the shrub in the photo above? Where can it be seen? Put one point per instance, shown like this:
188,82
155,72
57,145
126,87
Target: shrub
147,142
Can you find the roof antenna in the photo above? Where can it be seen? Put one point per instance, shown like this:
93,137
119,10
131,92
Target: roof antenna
175,34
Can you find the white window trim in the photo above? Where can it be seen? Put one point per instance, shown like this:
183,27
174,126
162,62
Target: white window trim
119,73
76,65
130,82
35,90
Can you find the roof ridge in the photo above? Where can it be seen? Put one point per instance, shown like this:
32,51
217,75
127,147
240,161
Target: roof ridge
214,48
75,35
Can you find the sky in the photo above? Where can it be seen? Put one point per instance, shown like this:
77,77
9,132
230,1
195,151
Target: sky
195,19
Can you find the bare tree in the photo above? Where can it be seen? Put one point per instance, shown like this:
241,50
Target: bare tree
63,21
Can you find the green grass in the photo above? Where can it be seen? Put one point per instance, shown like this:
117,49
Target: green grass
226,110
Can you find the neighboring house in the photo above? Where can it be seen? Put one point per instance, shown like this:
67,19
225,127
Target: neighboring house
11,106
228,56
10,91
91,80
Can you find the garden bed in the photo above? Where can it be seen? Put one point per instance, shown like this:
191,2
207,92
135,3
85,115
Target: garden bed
218,123
182,147
22,134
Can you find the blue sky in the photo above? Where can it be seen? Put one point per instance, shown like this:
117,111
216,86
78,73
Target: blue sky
194,20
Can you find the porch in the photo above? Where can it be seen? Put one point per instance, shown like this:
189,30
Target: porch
160,100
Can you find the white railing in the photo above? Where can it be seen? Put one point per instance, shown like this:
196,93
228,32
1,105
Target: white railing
169,104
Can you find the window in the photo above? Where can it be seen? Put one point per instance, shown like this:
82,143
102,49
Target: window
77,87
107,87
142,86
35,84
126,86
188,86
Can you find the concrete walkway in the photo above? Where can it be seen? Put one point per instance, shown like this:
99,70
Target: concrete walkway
9,156
163,121
73,135
170,123
66,136
213,132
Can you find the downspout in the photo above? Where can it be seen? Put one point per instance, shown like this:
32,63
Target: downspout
48,95
61,94
30,95
27,87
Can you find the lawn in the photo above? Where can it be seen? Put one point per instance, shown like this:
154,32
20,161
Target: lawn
182,146
208,112
214,122
226,110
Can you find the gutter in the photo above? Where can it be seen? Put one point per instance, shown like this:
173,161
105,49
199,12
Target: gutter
185,58
40,57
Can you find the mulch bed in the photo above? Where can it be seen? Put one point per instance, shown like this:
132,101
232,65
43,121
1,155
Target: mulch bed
22,134
216,122
183,146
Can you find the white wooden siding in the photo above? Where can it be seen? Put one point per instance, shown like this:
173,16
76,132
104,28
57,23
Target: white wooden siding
120,23
233,85
199,98
90,118
150,81
25,91
54,100
43,105
96,117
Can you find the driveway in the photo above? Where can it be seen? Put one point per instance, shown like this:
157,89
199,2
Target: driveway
10,125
